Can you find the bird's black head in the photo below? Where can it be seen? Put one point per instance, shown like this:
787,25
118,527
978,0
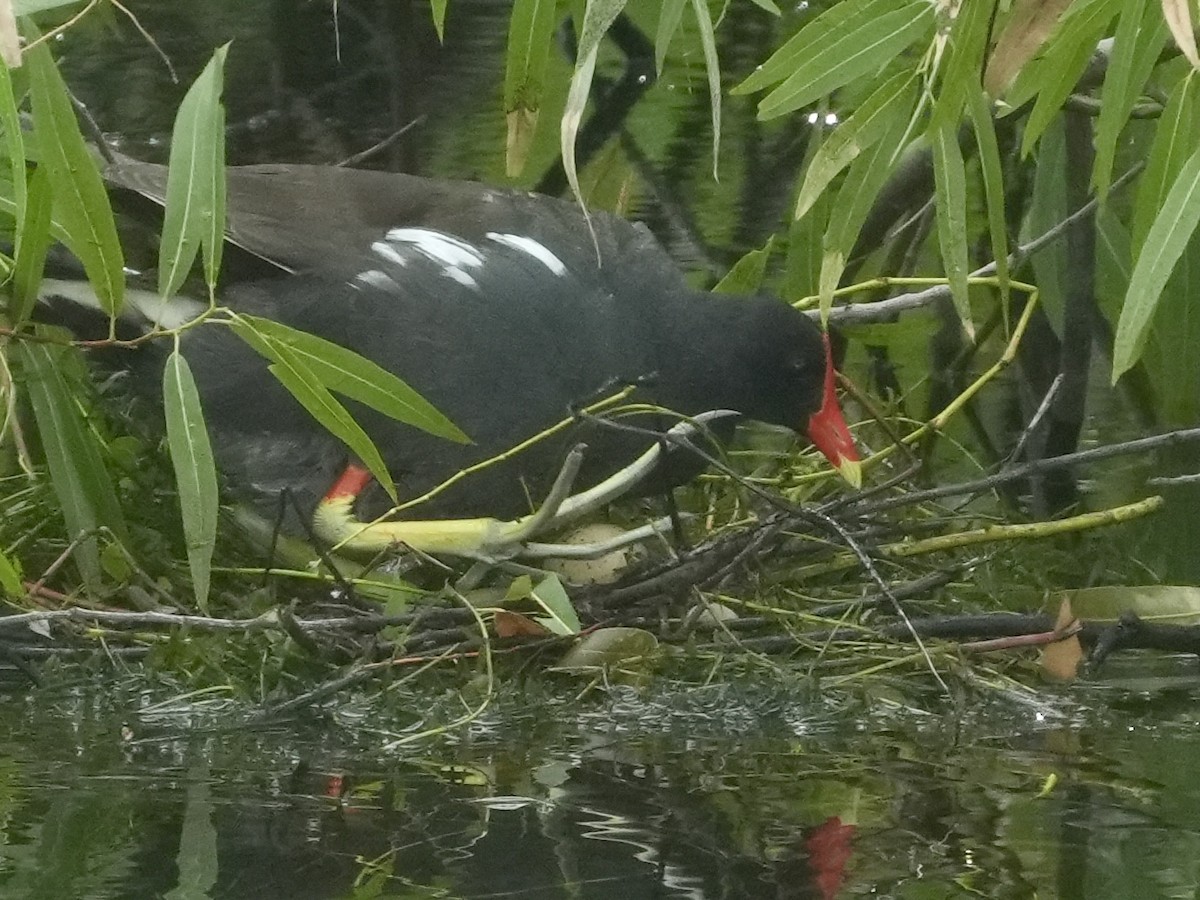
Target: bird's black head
779,369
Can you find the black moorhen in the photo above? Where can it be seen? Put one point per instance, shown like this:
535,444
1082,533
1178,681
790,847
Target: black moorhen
499,307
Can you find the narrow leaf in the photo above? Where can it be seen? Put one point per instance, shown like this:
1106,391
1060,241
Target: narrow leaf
1139,38
1165,242
1178,16
14,142
861,51
867,125
1047,208
10,41
357,377
746,276
1054,75
712,66
608,648
438,9
195,471
33,242
598,16
303,384
950,190
967,45
80,201
530,34
832,24
560,616
670,14
195,202
993,187
865,177
805,243
29,7
10,578
1029,25
73,455
1176,135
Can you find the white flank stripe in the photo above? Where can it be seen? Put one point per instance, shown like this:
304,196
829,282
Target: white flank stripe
388,252
443,248
540,252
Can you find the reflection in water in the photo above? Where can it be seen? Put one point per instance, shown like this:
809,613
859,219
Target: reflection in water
739,807
548,807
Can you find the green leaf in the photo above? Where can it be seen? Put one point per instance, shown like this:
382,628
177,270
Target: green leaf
194,212
806,239
1047,208
29,7
73,454
290,369
195,471
712,66
14,142
10,578
964,60
1054,75
835,21
768,5
530,34
1029,24
356,377
670,14
607,648
598,16
438,9
950,191
831,58
33,242
993,186
1139,38
866,176
1176,135
867,125
560,617
746,276
80,200
1178,16
1165,242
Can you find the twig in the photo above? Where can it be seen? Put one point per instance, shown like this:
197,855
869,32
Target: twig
149,40
387,142
884,309
1094,454
1035,421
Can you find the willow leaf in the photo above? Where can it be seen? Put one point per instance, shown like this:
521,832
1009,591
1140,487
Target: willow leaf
80,200
195,471
358,378
950,192
1165,242
194,212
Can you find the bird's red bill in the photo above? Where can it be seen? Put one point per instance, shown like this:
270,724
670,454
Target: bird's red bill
828,431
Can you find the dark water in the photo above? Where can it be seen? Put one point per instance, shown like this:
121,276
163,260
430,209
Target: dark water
734,790
729,791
